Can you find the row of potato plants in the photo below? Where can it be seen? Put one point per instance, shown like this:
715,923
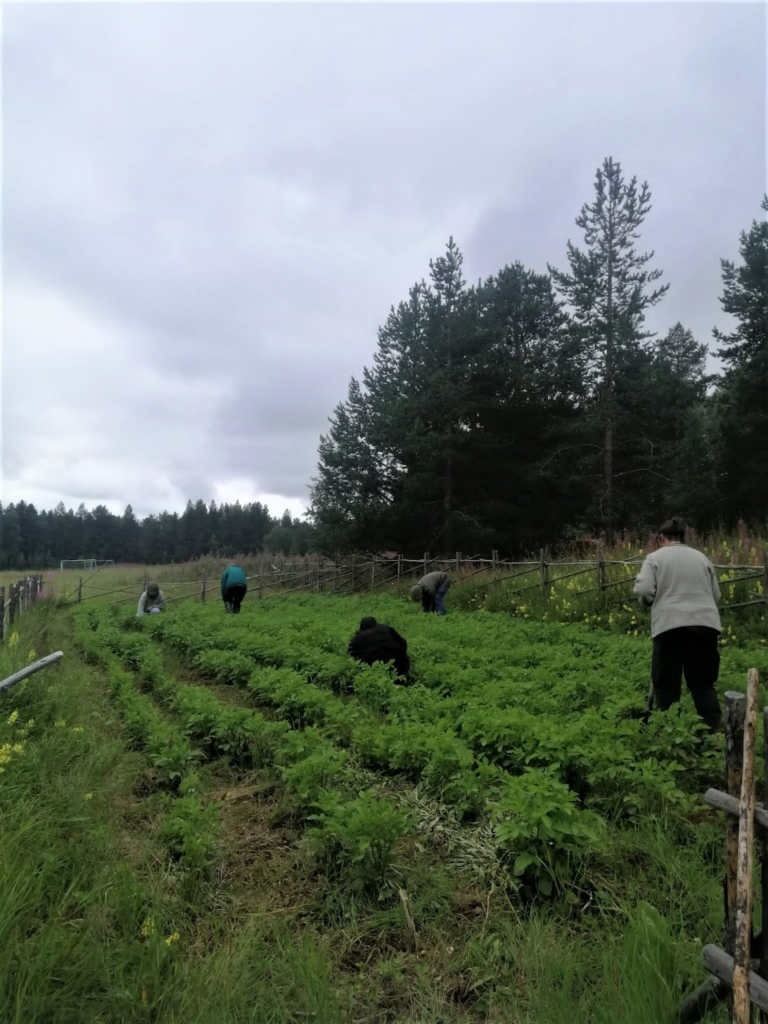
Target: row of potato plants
354,833
189,825
547,768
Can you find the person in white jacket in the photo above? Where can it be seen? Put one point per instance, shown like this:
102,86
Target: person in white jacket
679,585
151,601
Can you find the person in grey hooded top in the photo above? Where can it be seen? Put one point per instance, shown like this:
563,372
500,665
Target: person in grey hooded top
679,585
431,590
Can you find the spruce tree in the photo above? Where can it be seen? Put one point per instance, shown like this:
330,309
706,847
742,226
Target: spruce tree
743,397
608,290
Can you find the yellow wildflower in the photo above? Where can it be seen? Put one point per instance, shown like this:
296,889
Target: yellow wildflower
172,938
30,723
31,656
77,728
60,724
89,796
148,928
12,718
14,638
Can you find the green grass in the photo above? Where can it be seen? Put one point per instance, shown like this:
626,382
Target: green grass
266,939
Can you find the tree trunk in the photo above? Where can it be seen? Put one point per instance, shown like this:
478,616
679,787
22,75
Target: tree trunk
448,485
609,360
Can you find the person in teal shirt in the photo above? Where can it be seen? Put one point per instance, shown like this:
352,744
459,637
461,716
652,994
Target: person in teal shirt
234,587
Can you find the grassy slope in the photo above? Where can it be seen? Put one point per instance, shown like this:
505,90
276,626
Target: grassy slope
81,876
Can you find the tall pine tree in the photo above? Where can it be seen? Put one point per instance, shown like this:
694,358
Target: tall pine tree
608,290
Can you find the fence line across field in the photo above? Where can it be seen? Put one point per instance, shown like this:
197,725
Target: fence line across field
370,573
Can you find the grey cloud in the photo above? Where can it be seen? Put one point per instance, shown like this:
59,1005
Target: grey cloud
229,198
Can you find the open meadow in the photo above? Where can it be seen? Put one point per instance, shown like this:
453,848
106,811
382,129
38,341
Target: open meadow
212,818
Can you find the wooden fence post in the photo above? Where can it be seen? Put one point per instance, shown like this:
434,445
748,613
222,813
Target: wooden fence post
741,954
543,571
336,572
735,706
458,563
426,561
765,579
354,561
399,569
144,585
373,570
261,578
600,569
202,590
80,590
2,613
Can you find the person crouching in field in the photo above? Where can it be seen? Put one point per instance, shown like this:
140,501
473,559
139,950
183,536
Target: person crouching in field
431,590
151,602
376,642
234,587
679,585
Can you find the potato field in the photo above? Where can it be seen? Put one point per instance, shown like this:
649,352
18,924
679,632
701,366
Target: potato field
271,832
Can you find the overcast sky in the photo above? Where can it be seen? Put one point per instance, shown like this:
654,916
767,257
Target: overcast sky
209,209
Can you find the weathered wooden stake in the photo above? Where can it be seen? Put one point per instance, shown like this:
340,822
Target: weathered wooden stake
414,938
2,613
735,704
426,561
399,569
373,570
354,566
202,589
600,569
543,571
458,563
261,578
741,1003
80,590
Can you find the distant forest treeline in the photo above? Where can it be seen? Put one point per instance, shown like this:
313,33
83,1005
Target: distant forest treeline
35,539
517,413
514,412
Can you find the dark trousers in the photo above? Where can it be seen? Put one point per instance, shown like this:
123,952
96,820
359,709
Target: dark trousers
691,651
233,598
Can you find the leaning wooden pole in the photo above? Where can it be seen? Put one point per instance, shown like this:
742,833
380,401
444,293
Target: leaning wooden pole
741,1003
734,751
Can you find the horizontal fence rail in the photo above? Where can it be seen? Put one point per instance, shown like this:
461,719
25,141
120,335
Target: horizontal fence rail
279,576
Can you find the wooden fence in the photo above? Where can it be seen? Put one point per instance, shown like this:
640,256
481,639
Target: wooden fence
21,596
739,969
273,577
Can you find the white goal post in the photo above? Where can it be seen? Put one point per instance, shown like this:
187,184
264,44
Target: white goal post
88,564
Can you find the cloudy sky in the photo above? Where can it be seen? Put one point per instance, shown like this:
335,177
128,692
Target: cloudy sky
209,208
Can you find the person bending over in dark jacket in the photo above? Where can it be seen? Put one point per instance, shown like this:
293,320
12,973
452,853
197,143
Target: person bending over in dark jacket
376,642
